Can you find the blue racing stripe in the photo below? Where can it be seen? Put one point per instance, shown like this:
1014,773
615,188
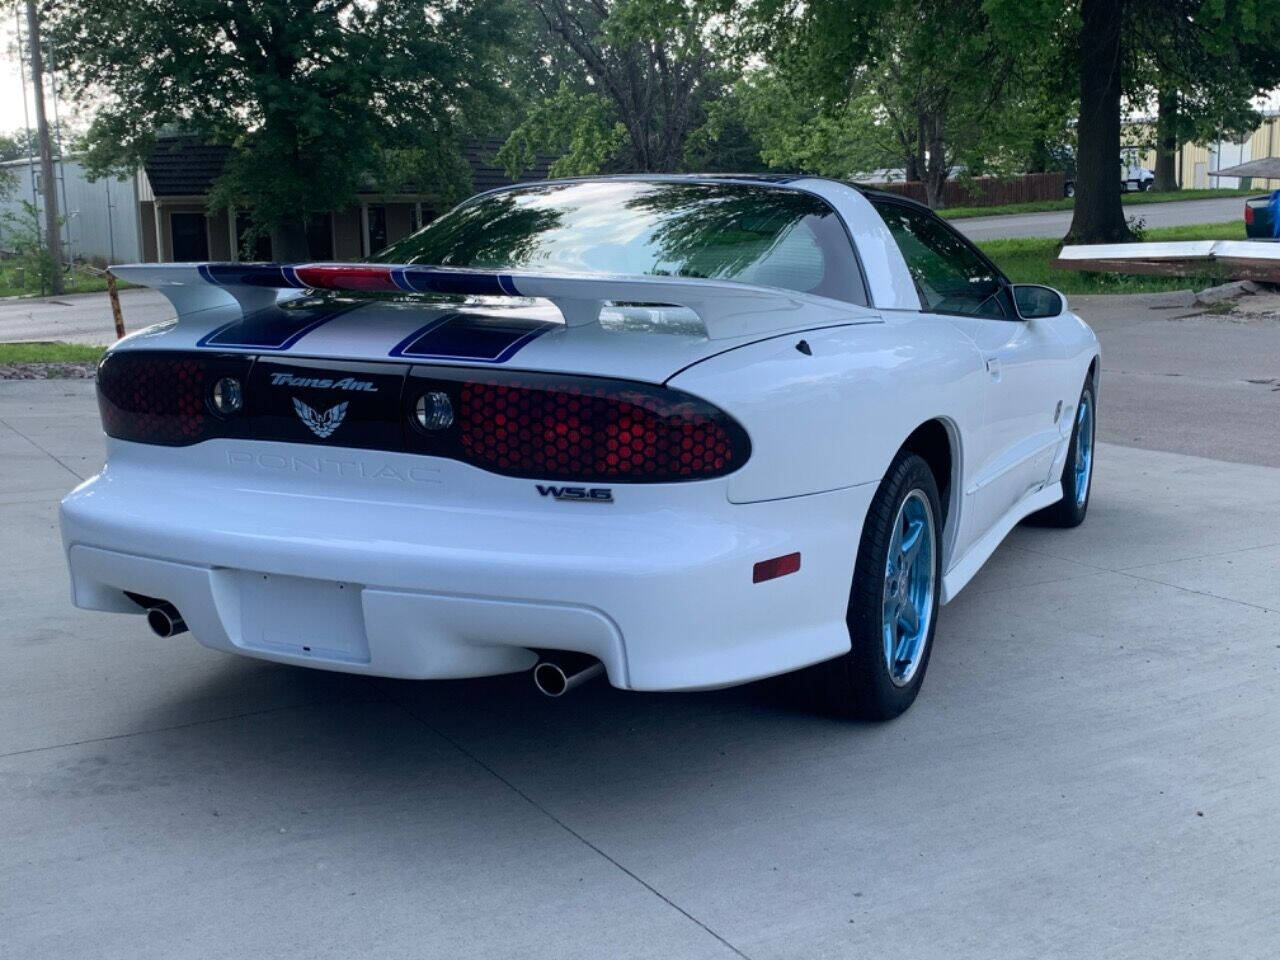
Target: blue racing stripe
274,328
457,336
275,275
430,280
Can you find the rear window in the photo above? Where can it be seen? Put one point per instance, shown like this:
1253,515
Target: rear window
743,232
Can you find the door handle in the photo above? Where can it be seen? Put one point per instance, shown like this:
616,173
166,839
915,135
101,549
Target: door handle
993,367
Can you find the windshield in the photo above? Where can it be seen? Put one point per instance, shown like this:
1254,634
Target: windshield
724,231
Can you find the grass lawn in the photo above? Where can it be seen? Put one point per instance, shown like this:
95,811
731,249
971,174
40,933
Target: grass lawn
1066,203
43,352
1026,260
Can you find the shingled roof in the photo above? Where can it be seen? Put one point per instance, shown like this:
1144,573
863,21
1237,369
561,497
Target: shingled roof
185,167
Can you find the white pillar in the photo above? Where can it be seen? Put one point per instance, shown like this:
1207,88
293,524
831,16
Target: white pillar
235,240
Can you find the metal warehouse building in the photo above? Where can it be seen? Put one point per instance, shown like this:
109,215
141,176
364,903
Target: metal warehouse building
100,218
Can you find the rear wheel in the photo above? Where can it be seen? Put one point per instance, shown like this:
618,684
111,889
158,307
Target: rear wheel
893,603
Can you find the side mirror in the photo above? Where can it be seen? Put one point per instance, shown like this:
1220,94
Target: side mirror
1035,302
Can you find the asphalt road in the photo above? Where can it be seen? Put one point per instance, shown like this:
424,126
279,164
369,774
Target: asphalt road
1177,378
1055,223
1092,770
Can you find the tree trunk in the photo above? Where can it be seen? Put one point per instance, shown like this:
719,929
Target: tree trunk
1167,141
936,169
289,243
1099,217
52,227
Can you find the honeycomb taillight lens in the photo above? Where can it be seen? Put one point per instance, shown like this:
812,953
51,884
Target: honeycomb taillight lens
540,426
163,397
581,429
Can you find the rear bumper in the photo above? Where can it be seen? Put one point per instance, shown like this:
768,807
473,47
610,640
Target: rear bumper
394,565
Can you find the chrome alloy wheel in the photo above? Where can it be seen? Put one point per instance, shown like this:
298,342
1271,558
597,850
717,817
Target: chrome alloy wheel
908,588
1084,448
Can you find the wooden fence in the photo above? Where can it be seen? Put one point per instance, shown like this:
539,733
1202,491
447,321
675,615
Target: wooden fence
987,191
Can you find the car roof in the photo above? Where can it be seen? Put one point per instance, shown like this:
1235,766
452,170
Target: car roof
765,179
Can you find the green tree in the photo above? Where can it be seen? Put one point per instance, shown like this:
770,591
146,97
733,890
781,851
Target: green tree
645,71
1209,56
318,97
922,86
17,146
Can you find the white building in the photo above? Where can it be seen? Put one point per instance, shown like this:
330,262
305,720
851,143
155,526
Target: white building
100,219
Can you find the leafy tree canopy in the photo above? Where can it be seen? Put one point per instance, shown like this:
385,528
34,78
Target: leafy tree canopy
319,97
642,76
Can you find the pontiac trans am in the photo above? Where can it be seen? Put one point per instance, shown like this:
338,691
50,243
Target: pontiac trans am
685,431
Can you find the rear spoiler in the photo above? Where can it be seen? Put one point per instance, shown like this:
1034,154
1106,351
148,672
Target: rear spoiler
726,309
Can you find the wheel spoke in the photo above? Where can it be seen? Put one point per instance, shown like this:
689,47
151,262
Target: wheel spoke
908,617
908,597
911,542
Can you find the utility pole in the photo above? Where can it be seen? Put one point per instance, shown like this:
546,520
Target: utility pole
49,187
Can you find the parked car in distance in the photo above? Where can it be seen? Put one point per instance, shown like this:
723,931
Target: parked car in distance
684,431
1133,179
1260,218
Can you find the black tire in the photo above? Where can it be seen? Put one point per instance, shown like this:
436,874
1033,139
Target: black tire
1071,509
858,683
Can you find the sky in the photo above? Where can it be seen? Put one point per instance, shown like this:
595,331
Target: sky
11,93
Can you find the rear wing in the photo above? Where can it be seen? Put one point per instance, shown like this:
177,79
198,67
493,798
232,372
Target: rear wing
726,309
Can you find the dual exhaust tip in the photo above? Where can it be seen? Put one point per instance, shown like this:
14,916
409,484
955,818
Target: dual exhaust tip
165,620
555,678
552,678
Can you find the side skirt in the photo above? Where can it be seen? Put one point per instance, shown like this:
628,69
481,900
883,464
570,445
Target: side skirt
963,570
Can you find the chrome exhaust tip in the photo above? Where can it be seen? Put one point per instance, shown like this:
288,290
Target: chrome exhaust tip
553,680
165,620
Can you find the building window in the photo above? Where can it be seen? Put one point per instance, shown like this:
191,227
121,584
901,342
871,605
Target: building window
320,237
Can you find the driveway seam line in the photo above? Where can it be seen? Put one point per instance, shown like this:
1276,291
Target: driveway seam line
568,829
41,449
1199,593
1127,572
143,733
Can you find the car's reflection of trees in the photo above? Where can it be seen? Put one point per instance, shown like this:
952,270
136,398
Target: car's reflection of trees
497,231
718,230
686,230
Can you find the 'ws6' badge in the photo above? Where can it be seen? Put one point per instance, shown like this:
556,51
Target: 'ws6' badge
580,494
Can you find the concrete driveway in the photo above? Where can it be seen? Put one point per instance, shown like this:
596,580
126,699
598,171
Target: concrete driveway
1092,770
1055,223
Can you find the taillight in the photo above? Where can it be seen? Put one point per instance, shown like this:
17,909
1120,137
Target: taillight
1248,214
540,426
165,398
576,428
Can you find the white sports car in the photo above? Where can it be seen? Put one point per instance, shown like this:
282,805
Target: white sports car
688,431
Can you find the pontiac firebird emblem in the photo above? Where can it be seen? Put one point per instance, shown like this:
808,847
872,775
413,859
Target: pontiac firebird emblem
321,424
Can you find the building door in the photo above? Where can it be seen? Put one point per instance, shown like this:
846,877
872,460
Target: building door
377,228
190,241
320,236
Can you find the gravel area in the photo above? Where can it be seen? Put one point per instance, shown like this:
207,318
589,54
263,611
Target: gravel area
47,371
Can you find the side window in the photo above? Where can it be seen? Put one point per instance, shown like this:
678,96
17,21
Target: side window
950,277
